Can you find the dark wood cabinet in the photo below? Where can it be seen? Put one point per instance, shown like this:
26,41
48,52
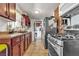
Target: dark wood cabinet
8,10
16,50
22,45
26,20
4,9
26,43
17,45
12,11
30,37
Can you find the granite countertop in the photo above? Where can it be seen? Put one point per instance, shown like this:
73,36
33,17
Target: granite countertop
7,36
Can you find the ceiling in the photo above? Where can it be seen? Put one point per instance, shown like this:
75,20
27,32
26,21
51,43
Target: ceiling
45,9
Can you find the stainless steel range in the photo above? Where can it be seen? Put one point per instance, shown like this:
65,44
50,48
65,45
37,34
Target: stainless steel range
55,46
67,45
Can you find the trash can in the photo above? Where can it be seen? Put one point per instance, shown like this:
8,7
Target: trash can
3,50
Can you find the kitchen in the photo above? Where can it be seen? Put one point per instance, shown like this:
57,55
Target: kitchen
57,29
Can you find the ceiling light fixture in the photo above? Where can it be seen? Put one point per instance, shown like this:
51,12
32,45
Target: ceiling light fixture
36,12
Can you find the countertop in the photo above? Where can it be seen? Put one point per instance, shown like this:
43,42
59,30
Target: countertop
7,36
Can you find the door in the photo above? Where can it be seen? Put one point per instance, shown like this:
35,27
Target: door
37,30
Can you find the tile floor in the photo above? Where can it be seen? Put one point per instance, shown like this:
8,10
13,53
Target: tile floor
36,49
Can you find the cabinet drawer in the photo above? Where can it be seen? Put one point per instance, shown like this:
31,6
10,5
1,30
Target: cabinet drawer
5,41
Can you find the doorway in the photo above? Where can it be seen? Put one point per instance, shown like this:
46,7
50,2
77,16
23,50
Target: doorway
37,30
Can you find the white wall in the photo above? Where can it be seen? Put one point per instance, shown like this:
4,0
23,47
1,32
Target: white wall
16,24
75,20
32,28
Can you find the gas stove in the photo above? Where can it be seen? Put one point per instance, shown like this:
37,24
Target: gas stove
68,37
56,44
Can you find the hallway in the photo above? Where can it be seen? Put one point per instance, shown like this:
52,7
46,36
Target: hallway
36,49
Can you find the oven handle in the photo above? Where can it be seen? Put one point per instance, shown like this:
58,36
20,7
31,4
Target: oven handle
59,45
56,44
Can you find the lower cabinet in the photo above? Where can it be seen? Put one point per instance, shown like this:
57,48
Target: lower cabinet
16,50
30,37
17,45
28,41
22,45
25,43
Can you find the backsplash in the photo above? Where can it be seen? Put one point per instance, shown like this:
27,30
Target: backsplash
75,20
3,24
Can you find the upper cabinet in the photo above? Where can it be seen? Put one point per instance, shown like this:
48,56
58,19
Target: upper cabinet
26,20
4,9
12,11
8,10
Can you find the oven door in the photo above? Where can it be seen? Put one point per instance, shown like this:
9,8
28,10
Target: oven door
56,48
51,50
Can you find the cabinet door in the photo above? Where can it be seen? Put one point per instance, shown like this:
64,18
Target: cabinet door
26,43
12,11
16,50
26,20
28,40
3,9
22,47
30,37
